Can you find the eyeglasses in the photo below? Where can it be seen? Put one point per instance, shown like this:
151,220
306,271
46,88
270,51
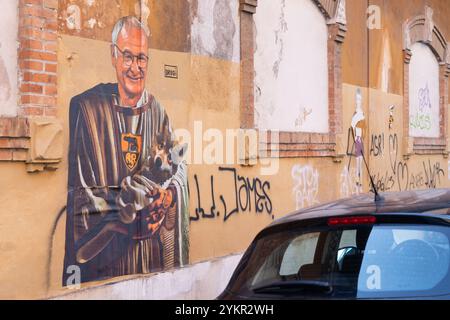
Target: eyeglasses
128,58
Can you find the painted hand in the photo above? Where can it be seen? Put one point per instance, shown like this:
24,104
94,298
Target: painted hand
163,199
134,196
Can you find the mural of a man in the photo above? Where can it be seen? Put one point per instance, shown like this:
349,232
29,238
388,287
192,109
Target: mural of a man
127,186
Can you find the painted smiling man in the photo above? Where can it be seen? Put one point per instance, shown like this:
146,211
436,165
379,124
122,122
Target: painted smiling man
127,186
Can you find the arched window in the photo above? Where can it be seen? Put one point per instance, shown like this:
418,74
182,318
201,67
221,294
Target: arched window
423,92
425,96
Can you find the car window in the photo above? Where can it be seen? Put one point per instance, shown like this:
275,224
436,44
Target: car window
365,262
348,239
403,259
299,252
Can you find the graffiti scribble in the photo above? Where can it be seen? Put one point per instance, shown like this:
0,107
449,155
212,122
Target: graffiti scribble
306,185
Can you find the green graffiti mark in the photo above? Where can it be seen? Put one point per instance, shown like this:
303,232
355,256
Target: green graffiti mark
420,121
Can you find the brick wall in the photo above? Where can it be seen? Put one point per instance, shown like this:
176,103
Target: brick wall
14,139
37,57
37,74
247,9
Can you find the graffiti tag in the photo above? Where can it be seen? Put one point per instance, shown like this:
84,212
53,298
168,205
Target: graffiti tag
306,187
249,194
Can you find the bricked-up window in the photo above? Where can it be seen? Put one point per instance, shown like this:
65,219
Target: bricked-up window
291,67
423,92
425,85
291,78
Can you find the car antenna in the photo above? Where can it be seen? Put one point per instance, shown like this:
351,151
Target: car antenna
378,197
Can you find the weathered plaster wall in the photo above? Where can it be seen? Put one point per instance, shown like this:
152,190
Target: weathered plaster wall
355,56
8,58
28,211
215,29
207,89
169,21
291,68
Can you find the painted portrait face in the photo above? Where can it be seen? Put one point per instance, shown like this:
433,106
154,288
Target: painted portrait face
131,62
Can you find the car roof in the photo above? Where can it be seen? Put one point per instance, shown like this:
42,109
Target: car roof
417,201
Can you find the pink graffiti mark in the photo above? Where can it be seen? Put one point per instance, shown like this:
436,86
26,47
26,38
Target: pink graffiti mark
424,99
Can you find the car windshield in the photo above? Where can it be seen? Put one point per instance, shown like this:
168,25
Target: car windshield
381,261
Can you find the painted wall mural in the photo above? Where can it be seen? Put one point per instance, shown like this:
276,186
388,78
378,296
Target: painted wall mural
351,177
127,203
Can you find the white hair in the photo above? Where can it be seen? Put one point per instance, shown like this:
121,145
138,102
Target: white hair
129,21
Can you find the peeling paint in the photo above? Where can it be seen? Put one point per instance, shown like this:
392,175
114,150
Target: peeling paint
73,20
215,35
142,10
168,21
279,41
224,29
291,69
341,16
92,22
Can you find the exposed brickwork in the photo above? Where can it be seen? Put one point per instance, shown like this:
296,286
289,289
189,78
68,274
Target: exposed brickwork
37,57
14,139
407,59
248,8
443,107
37,67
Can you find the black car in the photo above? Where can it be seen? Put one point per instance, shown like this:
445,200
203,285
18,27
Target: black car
395,247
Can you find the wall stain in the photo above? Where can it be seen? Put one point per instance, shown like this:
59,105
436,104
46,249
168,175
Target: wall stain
224,29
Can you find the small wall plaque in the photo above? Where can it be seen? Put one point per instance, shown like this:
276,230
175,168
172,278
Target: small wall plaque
170,71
